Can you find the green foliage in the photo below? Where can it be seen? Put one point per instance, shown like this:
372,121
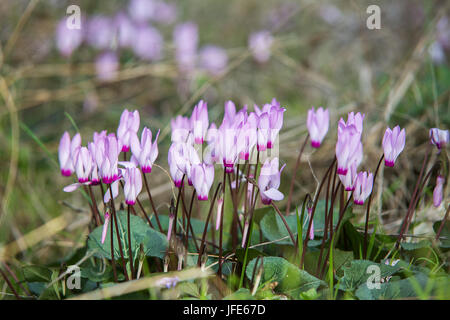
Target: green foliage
289,278
154,243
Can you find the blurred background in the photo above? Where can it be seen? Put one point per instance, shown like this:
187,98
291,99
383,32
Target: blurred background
162,56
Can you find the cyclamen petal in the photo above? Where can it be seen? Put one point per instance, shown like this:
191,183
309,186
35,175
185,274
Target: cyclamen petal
317,124
105,226
269,181
64,155
115,191
393,144
200,122
133,184
129,123
348,180
202,178
363,187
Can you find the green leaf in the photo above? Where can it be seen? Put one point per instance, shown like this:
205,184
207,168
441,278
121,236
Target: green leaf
241,294
197,225
37,274
445,243
356,273
291,280
273,227
410,246
405,288
154,243
252,253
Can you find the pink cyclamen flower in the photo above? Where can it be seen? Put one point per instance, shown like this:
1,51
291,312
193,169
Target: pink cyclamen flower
202,179
109,170
227,146
95,173
181,158
181,126
438,191
83,164
175,155
393,144
348,180
133,184
439,137
144,152
353,119
363,187
105,226
348,148
263,132
260,43
65,152
200,122
269,181
317,123
247,136
275,124
129,124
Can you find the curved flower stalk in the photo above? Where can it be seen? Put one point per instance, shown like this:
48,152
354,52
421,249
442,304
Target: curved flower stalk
348,148
438,191
317,124
66,151
202,179
363,187
393,144
269,181
129,124
133,184
144,152
439,138
200,122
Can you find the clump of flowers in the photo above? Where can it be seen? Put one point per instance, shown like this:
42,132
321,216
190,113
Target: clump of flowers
235,157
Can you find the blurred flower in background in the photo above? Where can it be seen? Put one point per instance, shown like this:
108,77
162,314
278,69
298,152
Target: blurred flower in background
106,66
259,44
213,59
67,40
185,38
